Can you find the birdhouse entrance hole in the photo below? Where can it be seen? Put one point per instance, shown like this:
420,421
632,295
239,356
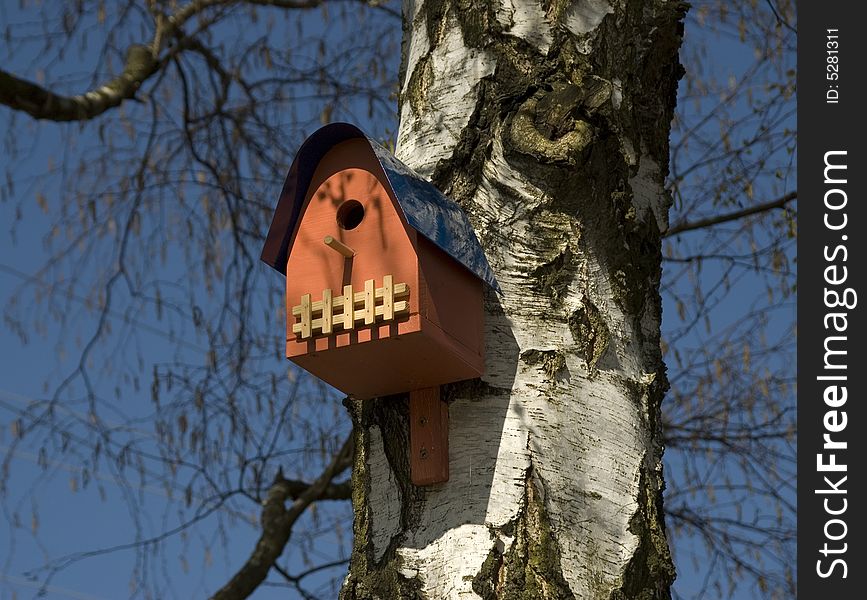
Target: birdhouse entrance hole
350,214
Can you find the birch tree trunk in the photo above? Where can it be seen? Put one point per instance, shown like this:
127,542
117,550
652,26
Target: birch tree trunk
548,121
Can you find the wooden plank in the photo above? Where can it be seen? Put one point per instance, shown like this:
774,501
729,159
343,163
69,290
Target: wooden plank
348,308
400,308
326,311
387,298
369,302
428,437
315,324
306,316
400,290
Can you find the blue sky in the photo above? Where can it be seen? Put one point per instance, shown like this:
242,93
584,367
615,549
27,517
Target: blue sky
96,515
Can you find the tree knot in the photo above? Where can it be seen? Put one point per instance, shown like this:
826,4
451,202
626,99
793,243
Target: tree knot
551,125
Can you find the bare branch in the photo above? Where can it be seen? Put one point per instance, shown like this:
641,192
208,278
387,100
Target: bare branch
332,491
141,63
197,6
277,522
734,216
295,580
40,103
779,18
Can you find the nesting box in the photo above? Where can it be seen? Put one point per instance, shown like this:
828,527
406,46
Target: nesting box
384,274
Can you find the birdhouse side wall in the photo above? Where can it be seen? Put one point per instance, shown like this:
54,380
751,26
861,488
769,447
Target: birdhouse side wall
452,300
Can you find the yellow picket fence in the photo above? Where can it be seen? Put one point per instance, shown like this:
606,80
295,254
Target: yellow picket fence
334,313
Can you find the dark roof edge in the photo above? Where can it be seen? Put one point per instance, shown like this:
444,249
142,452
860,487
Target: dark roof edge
427,210
275,252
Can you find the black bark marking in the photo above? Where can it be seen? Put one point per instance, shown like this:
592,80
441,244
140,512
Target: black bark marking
530,568
590,332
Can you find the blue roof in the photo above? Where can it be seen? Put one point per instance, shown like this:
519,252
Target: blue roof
427,210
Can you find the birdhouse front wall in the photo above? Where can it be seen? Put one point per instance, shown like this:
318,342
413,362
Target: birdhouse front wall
430,333
383,246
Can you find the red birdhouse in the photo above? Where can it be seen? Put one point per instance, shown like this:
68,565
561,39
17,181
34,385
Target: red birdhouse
384,275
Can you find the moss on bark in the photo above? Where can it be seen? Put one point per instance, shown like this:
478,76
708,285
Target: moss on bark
590,332
530,568
650,573
369,578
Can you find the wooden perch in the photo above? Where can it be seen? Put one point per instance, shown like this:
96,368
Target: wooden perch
339,246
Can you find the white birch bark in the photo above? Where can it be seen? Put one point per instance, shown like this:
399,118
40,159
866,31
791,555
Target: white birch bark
548,122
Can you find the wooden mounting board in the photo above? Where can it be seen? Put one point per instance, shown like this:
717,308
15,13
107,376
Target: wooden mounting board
428,437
